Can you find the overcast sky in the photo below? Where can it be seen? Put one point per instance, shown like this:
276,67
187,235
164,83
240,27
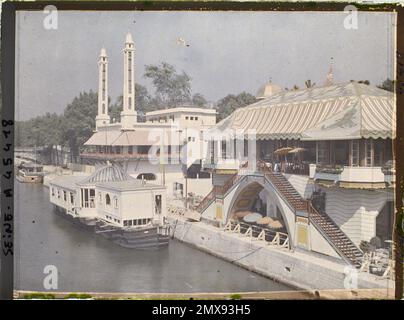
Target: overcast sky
229,52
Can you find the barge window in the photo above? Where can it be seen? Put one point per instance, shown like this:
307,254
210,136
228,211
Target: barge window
64,195
53,191
71,198
92,196
107,200
116,202
86,198
157,204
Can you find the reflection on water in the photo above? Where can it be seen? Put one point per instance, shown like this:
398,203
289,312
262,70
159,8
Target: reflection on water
87,262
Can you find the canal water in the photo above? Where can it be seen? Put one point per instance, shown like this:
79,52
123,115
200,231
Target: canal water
88,262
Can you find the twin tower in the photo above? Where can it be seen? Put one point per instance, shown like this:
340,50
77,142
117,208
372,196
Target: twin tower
128,114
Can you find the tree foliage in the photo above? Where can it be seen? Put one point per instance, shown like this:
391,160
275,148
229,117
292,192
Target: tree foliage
40,131
231,102
79,120
388,85
172,89
199,100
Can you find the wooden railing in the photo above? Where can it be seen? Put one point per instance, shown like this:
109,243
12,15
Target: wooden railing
218,191
211,196
222,190
268,236
297,202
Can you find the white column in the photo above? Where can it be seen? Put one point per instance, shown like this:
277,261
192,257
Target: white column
102,115
219,151
128,115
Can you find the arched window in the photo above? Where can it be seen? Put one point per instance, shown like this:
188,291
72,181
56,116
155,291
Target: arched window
107,200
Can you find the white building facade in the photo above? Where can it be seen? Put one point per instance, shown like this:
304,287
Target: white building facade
166,149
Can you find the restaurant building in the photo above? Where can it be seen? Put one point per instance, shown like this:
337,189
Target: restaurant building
329,147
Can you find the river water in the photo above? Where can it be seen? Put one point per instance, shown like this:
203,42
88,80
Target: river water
88,262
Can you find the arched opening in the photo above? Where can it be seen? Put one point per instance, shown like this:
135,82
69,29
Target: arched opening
255,205
107,200
147,176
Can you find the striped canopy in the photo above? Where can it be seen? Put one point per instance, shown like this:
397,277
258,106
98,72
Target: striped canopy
342,111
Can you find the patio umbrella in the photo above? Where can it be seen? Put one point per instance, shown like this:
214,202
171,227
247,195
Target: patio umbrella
283,151
265,221
252,217
276,224
297,150
241,214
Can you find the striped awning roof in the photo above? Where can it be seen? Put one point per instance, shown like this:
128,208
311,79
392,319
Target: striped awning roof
343,111
147,137
103,138
140,137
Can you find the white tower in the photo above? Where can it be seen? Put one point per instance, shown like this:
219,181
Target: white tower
102,116
129,115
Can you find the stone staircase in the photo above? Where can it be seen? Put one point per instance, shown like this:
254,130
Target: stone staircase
337,238
218,191
324,224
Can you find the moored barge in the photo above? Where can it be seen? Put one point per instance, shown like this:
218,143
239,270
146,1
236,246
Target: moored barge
127,211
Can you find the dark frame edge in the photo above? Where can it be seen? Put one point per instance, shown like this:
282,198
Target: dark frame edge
7,151
398,232
8,102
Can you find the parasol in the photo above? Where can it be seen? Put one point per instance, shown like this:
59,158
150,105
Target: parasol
283,151
242,214
275,224
297,150
265,221
252,217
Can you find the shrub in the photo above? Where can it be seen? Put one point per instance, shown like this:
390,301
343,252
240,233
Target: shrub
78,296
39,295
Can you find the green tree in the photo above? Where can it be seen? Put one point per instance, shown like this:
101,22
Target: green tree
367,82
309,84
79,121
231,102
172,89
39,131
388,85
198,100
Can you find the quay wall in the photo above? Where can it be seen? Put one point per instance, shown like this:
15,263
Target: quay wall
301,270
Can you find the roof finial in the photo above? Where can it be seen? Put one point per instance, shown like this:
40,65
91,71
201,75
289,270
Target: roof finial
330,75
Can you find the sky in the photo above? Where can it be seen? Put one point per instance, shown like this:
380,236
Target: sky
228,52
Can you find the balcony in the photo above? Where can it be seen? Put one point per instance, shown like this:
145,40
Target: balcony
351,177
221,165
